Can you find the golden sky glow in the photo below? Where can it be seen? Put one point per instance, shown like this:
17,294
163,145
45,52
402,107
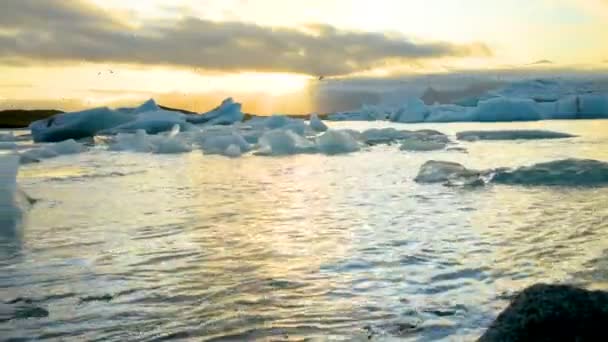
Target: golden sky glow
441,35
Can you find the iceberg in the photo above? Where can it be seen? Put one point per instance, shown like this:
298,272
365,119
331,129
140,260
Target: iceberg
8,137
443,171
52,150
565,108
449,113
7,145
374,136
148,117
365,113
566,172
413,144
506,109
152,123
281,142
227,113
143,143
389,135
316,124
13,202
220,142
297,126
335,142
77,125
414,110
233,151
593,106
511,135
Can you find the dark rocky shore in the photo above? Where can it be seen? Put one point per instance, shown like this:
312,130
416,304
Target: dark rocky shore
552,313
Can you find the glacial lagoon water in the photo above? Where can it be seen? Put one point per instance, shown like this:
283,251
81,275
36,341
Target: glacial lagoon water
129,246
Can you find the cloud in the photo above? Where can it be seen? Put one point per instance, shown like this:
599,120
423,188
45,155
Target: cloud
74,30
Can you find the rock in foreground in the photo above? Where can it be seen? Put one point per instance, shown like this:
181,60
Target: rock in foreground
552,313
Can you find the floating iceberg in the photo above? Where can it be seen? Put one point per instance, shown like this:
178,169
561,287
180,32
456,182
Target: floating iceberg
366,113
376,136
52,150
228,113
414,110
567,172
413,144
280,142
148,117
144,143
450,113
233,151
337,142
511,135
316,124
593,106
442,171
152,123
219,141
8,137
297,126
77,125
506,109
13,202
7,145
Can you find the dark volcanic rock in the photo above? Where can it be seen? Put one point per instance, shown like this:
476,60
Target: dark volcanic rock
552,313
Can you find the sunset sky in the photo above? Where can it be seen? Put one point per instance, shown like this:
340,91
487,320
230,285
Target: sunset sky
74,53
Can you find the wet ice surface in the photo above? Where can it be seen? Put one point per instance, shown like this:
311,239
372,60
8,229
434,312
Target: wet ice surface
124,245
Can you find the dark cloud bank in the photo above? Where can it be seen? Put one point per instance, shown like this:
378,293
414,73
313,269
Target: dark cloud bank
75,30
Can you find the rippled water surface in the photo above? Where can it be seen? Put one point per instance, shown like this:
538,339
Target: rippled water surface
125,246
